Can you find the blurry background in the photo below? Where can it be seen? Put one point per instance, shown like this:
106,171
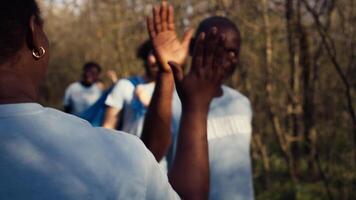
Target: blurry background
298,68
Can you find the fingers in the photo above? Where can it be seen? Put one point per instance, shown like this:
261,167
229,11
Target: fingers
164,15
209,56
171,25
198,53
211,42
187,38
157,19
162,20
150,27
217,66
177,71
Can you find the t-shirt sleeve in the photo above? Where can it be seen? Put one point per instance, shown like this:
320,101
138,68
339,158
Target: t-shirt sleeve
122,90
67,96
250,111
158,186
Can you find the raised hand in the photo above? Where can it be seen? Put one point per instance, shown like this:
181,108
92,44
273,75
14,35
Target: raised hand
202,83
167,46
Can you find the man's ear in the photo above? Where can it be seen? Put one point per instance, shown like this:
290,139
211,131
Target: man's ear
32,37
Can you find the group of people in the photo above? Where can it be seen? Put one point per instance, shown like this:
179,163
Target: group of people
198,129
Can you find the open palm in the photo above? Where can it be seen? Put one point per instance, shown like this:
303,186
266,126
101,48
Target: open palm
164,38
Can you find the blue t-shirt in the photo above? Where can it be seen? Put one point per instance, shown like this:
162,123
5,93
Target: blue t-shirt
47,154
123,98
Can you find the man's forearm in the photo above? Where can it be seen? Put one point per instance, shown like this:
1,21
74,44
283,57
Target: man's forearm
189,175
111,118
156,132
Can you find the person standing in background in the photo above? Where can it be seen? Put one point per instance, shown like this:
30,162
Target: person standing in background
80,95
128,101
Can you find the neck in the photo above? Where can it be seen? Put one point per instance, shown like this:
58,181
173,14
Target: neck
15,88
86,84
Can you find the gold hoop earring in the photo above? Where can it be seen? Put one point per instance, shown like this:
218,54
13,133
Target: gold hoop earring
38,54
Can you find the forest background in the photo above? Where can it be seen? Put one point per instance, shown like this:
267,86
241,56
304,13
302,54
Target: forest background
297,66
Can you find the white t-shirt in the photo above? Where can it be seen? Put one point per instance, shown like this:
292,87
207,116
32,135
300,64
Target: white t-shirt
80,98
229,137
124,99
47,154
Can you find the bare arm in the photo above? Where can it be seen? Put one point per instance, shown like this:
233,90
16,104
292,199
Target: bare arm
111,118
167,47
189,175
156,132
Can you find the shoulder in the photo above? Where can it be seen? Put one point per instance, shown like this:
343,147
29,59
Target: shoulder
121,145
124,84
74,86
231,102
235,95
64,118
122,88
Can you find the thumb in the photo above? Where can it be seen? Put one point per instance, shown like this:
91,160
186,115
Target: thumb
177,71
187,37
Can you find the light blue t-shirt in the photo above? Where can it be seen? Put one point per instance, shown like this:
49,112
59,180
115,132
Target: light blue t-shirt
229,137
47,154
123,98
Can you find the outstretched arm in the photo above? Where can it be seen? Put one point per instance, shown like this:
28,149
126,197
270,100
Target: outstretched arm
167,47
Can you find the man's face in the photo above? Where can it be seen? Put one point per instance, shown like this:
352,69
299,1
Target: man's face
151,65
91,75
231,47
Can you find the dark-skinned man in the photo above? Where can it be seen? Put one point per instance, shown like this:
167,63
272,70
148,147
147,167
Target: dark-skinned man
230,115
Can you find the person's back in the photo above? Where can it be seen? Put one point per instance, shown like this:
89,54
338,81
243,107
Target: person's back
47,154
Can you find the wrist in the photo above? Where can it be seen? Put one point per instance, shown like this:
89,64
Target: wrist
165,82
165,77
196,107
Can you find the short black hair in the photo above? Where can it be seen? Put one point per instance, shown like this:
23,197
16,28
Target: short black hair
144,50
90,65
15,18
219,22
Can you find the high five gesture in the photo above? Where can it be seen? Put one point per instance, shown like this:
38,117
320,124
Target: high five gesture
161,29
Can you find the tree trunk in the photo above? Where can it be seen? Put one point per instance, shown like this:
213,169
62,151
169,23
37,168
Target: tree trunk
294,97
